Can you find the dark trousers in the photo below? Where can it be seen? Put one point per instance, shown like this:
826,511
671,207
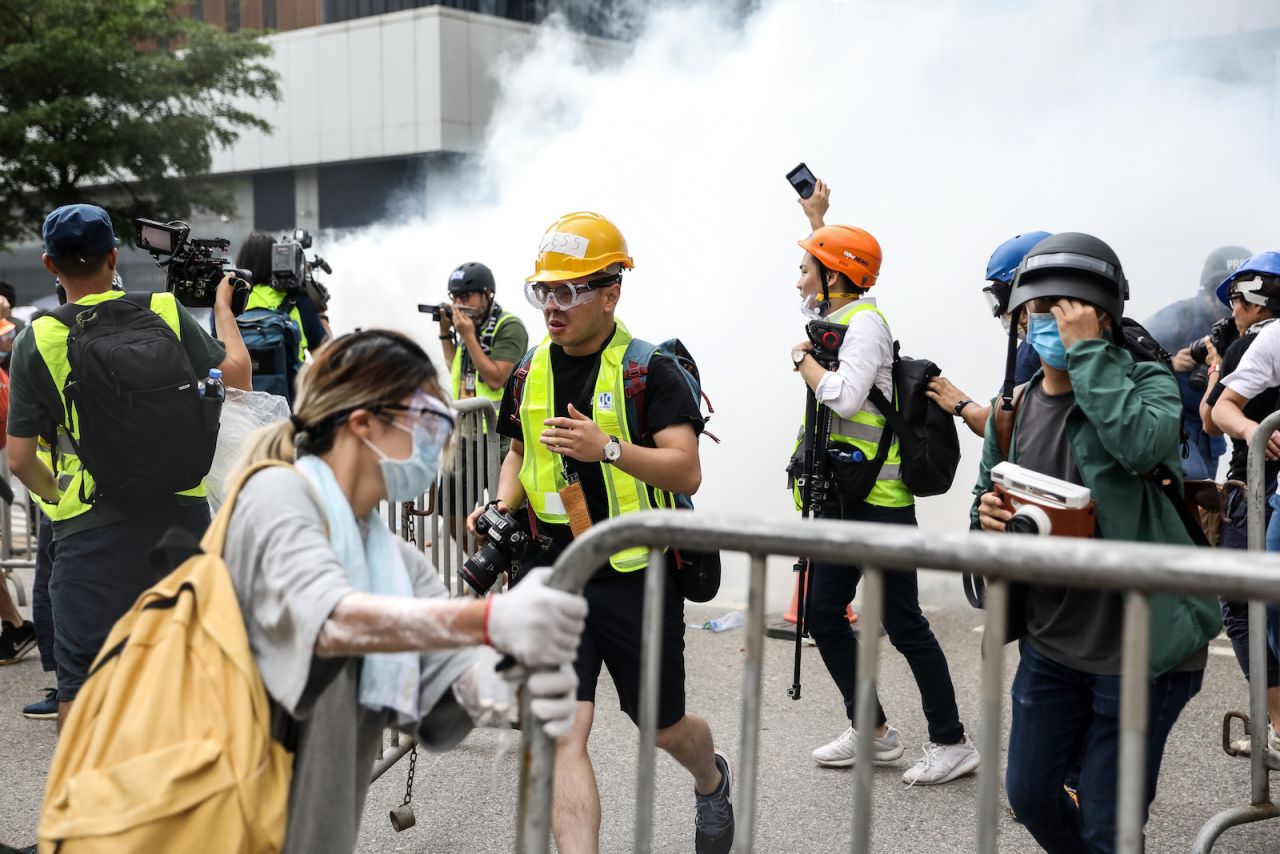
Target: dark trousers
832,588
1235,615
41,603
1055,710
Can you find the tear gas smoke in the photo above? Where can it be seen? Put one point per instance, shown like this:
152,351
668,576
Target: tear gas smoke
943,129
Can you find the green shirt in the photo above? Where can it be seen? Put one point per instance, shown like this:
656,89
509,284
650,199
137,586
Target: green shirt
1126,421
35,408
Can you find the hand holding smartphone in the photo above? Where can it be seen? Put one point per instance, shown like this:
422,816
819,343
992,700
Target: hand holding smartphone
803,181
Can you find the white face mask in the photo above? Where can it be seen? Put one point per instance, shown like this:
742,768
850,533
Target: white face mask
809,307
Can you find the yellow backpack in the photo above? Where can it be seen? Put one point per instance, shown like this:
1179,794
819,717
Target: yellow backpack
169,745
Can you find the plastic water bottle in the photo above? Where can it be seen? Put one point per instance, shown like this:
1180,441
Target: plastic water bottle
731,620
212,388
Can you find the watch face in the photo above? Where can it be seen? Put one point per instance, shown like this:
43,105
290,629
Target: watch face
613,450
797,355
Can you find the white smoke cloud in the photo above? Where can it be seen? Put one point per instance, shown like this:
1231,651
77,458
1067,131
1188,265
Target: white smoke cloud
943,128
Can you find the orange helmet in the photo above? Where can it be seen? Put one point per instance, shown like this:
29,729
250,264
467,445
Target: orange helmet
577,245
847,250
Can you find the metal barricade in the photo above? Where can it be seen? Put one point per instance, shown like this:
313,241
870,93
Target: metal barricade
1261,763
470,478
10,543
1135,569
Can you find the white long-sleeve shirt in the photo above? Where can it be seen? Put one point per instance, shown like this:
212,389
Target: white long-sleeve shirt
865,356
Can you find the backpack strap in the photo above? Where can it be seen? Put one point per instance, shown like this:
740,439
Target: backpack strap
635,376
1005,419
521,375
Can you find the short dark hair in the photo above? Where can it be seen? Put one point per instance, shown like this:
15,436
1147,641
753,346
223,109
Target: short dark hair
255,256
80,268
9,292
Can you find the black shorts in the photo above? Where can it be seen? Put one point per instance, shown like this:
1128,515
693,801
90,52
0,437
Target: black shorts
97,576
613,638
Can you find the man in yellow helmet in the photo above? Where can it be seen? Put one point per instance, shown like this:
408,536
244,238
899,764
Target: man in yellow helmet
574,456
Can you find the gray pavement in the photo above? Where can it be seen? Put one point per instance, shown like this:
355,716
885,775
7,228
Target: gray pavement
465,800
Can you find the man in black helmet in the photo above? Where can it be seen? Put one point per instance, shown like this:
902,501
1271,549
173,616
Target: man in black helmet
1179,325
1092,415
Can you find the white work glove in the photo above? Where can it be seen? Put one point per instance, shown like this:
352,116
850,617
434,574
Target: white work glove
553,699
535,625
486,695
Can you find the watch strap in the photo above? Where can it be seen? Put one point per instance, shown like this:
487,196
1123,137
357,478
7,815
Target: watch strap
959,407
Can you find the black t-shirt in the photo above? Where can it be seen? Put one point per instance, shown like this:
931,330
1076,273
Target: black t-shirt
667,402
1255,410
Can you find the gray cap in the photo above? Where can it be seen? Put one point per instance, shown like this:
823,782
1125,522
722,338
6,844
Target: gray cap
1222,262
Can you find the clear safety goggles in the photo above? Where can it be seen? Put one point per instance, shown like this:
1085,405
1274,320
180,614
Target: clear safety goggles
563,297
994,304
424,413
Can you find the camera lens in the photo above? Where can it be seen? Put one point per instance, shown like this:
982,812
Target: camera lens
482,569
1029,519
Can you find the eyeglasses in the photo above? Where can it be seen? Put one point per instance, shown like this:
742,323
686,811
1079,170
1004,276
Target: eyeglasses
426,413
1235,297
543,296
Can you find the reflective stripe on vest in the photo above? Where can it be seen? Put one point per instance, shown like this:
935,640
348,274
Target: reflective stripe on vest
541,474
51,344
482,389
864,430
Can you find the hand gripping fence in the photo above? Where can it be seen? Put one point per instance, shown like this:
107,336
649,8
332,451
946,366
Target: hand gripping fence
1136,570
1261,764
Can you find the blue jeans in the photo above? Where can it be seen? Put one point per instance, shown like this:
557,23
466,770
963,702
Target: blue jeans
1062,715
1273,545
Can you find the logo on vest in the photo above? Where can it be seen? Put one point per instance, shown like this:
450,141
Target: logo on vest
605,401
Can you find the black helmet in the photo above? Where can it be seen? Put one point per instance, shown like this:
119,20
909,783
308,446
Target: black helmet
470,278
1222,262
1075,265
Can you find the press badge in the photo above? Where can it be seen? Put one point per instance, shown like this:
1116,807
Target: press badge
575,506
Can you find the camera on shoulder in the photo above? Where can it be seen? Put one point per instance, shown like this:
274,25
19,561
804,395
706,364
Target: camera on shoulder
193,266
1043,505
293,272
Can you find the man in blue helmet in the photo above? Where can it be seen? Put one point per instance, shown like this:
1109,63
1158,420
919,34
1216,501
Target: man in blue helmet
1179,325
1000,270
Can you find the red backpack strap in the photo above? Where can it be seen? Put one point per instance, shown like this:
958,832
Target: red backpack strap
634,378
521,374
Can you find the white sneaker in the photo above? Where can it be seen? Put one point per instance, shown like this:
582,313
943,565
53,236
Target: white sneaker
1244,747
841,752
943,763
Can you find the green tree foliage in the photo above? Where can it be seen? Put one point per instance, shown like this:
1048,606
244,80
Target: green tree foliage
119,102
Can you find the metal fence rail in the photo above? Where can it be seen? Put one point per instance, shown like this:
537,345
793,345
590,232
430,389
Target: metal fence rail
1135,569
1260,805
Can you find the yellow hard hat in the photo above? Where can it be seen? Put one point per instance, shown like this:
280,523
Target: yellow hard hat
577,245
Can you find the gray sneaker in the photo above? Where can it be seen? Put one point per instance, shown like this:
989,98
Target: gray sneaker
713,823
840,752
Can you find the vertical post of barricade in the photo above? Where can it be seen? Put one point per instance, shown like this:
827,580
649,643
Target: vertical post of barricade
459,516
1131,795
752,675
650,684
865,703
445,503
420,530
993,640
6,513
471,477
1259,777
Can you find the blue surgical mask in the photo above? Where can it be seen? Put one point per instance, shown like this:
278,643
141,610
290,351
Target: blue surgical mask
407,479
1042,332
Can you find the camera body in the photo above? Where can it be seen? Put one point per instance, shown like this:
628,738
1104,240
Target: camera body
504,543
1222,334
293,272
1043,505
436,310
193,266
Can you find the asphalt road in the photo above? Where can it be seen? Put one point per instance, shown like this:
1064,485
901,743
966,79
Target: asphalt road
465,800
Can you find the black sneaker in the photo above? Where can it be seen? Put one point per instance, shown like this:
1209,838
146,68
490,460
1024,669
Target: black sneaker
713,823
43,710
16,642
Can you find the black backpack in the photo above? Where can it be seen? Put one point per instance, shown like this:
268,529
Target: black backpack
272,339
928,443
145,431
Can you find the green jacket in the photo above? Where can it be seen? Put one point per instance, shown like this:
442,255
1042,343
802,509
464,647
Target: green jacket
1126,422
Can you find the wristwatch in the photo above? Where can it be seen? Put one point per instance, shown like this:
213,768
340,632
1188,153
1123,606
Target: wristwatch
613,450
797,356
961,405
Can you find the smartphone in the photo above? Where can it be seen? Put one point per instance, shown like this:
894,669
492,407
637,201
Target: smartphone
803,181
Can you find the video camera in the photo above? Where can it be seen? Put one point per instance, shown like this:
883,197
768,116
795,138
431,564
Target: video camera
506,542
193,266
293,272
1043,505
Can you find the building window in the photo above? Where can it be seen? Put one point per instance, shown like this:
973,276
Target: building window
197,10
269,14
233,15
274,201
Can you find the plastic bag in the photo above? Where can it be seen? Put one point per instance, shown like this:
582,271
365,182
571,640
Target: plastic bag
242,413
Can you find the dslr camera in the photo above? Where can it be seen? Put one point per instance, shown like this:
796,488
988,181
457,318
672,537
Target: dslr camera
505,542
436,310
293,272
1043,505
1222,334
193,266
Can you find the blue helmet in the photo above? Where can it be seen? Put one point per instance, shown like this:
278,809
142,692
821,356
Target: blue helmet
1008,255
1266,263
